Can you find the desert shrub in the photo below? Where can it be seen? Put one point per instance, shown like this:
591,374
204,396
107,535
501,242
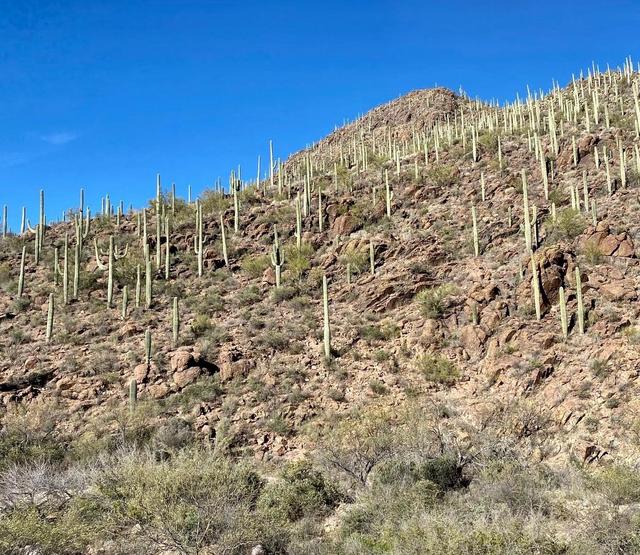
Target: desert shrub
249,295
301,491
357,444
20,305
633,178
489,141
273,339
255,265
284,293
443,175
438,369
29,434
200,325
378,387
592,252
358,260
620,484
214,202
298,260
66,534
212,300
173,435
380,332
193,500
568,225
431,300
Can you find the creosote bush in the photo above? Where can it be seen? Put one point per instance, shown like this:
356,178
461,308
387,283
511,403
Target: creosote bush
431,300
443,175
568,225
438,369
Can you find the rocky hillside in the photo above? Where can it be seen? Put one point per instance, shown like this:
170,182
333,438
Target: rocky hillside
479,258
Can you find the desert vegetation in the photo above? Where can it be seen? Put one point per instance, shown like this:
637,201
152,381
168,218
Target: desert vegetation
407,338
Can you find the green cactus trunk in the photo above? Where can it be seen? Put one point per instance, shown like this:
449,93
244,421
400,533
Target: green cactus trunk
327,325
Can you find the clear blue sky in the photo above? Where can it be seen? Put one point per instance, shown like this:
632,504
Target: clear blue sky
104,94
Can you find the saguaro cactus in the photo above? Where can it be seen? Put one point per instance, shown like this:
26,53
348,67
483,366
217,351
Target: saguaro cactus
138,285
50,316
65,271
580,301
277,256
133,394
372,261
113,255
175,322
564,323
167,254
125,301
535,286
223,236
198,240
21,278
148,278
476,241
147,346
527,216
388,193
327,325
298,222
236,184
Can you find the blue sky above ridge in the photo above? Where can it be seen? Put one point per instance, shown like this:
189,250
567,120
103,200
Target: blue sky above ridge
103,95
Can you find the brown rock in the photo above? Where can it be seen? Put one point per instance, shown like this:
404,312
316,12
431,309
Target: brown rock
344,225
141,372
472,339
269,276
232,363
181,360
186,377
158,391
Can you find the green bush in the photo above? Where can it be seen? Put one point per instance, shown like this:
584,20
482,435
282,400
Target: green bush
443,175
255,265
620,484
438,369
568,225
302,491
431,301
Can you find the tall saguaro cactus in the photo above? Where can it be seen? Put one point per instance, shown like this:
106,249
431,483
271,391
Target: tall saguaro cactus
564,322
235,188
21,278
198,240
277,256
535,286
50,316
148,278
147,346
133,394
327,324
223,236
476,241
580,301
527,216
175,322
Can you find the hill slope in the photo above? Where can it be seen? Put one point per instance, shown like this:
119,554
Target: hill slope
425,313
